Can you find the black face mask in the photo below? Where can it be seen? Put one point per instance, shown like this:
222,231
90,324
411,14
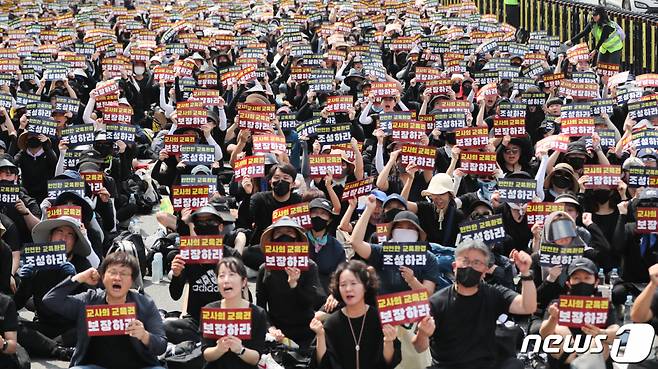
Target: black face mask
576,163
281,187
33,142
466,89
468,277
319,223
5,182
582,289
285,238
455,87
451,138
206,228
561,181
601,196
390,215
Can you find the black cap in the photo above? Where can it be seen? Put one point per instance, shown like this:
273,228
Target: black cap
320,203
208,209
582,264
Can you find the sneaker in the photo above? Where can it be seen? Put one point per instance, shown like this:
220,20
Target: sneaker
63,353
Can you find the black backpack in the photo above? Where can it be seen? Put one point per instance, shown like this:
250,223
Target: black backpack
132,244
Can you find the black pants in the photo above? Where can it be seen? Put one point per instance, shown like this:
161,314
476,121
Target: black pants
41,338
511,363
183,329
513,15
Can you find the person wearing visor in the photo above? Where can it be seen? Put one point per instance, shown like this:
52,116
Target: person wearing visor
200,278
290,296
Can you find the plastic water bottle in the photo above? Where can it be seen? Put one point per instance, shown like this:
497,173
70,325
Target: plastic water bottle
614,277
133,226
156,268
628,305
603,288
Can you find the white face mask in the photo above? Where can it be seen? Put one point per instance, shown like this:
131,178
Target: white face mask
139,70
404,235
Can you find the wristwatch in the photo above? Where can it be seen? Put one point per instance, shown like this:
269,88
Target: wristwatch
242,351
529,277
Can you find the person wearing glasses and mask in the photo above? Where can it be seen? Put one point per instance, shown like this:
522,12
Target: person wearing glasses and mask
462,322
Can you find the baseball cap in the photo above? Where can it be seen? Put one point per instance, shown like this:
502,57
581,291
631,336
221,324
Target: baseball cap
582,264
320,203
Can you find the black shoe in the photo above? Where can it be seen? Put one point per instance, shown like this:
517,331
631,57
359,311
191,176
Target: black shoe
63,353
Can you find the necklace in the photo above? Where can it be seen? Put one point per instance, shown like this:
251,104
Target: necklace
357,343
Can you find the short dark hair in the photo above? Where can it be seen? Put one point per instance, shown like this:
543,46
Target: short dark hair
120,258
233,264
366,275
285,168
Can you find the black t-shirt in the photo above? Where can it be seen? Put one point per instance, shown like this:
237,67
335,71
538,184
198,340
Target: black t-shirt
341,345
466,326
5,268
231,360
98,353
443,232
8,323
262,206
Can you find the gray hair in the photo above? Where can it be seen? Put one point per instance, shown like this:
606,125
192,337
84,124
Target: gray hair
472,244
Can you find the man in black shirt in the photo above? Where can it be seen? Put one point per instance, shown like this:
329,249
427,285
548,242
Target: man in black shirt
467,311
282,179
8,327
201,277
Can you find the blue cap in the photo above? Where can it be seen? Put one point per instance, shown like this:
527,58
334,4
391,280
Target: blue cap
379,195
395,197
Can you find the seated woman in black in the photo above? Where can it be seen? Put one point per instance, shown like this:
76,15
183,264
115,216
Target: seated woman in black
353,337
230,352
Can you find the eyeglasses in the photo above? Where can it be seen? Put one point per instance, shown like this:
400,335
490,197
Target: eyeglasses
114,273
472,263
512,151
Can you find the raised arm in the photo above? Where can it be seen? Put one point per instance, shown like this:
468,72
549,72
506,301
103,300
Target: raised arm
361,247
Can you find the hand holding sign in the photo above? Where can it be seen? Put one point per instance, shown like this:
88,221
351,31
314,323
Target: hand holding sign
522,260
136,329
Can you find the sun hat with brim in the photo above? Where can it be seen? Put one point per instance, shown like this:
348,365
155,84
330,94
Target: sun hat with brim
583,264
6,163
320,203
395,197
89,166
440,184
67,197
206,210
223,210
22,139
283,222
379,195
201,169
565,169
184,129
569,198
477,203
407,216
518,175
41,233
354,77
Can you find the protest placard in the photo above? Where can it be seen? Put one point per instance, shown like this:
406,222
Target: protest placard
109,320
282,255
217,323
201,249
403,307
192,197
